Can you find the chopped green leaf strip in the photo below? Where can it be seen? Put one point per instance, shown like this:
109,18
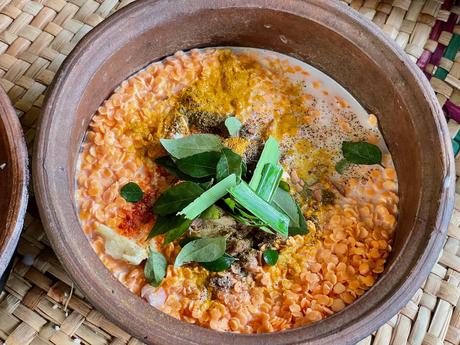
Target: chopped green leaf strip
245,214
201,250
229,163
361,152
270,257
285,186
251,222
221,264
248,222
239,214
233,126
342,165
191,145
268,214
286,203
208,198
199,165
131,192
212,212
176,198
270,154
163,224
155,268
271,176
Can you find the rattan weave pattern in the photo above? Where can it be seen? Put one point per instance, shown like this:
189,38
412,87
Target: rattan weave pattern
428,32
40,305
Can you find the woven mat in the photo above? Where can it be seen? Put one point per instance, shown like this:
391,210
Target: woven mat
40,304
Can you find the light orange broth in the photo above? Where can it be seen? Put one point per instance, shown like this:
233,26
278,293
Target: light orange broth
317,274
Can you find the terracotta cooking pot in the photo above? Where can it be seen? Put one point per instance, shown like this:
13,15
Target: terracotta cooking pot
325,34
13,180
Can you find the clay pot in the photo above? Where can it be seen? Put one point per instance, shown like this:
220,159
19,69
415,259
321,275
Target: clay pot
13,180
327,35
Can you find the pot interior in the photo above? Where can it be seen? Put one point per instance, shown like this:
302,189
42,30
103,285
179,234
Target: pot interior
370,82
330,41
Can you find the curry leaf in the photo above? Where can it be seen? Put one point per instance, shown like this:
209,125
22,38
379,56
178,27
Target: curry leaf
208,198
229,163
270,154
163,224
176,198
302,229
201,250
191,145
176,232
221,264
270,256
168,163
199,165
286,203
155,268
361,152
131,192
233,126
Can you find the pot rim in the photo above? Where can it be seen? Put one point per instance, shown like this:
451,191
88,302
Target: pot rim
190,333
20,178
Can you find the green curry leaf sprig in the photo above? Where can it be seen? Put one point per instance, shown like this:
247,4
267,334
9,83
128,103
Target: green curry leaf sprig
211,178
358,152
131,192
155,268
248,202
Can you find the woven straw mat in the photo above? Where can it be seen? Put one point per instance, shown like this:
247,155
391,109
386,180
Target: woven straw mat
40,304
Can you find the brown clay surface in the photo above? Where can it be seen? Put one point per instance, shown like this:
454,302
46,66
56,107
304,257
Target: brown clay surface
13,180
